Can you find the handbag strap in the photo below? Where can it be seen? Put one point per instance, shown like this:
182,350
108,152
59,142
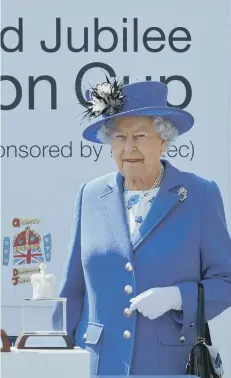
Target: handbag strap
207,336
200,314
203,332
208,339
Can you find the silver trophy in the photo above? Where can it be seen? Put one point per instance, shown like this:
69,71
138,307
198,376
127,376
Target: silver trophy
37,312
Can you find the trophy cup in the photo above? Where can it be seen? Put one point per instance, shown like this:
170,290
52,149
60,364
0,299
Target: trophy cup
37,313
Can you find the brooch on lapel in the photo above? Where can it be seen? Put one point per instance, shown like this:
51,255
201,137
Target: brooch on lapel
182,192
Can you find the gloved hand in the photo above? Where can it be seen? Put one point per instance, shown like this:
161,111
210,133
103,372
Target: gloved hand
157,301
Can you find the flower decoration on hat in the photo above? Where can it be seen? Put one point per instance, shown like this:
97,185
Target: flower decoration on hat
106,98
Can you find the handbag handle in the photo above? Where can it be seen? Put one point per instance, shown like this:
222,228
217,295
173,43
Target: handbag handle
200,315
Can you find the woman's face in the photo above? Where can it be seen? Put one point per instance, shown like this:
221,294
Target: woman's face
136,146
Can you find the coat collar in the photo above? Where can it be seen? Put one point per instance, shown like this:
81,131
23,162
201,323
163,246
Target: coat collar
165,201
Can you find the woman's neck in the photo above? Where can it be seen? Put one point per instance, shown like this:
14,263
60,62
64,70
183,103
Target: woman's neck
143,183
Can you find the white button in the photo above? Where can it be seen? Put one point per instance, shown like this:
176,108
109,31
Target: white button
127,334
85,337
129,267
182,339
127,312
128,289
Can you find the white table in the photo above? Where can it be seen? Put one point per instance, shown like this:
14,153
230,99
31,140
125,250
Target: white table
44,363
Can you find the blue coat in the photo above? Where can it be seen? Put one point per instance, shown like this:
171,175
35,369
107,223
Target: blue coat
179,243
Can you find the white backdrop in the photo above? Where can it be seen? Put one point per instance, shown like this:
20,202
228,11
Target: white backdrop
39,190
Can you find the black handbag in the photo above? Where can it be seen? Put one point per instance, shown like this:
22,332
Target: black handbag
204,359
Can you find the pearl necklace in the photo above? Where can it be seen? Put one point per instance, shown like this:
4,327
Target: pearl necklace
156,182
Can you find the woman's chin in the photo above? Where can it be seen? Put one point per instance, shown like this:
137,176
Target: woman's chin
133,173
136,169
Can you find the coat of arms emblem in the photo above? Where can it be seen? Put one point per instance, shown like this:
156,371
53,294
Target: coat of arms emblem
27,248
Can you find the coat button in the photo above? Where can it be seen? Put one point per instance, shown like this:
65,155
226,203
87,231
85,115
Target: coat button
128,289
182,339
127,312
129,267
127,334
85,337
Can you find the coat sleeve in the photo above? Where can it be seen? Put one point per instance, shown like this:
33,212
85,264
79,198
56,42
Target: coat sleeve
72,286
215,264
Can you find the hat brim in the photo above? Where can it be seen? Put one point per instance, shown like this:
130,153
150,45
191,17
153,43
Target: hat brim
181,119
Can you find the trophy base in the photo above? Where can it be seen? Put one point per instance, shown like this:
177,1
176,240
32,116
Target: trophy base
22,339
5,341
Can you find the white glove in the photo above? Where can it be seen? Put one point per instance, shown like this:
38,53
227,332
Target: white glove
157,301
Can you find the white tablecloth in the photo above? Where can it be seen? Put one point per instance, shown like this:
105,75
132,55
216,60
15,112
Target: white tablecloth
45,363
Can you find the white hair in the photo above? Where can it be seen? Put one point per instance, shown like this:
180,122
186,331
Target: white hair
164,128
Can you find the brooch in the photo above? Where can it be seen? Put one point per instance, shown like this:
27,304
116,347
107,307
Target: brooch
183,193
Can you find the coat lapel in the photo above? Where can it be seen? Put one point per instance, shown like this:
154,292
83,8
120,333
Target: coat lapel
165,201
113,202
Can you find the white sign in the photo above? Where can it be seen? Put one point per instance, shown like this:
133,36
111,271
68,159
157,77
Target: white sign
50,53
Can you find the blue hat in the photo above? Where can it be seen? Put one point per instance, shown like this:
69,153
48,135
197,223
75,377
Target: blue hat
149,98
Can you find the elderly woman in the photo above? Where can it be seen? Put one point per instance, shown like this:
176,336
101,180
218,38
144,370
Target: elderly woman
142,238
